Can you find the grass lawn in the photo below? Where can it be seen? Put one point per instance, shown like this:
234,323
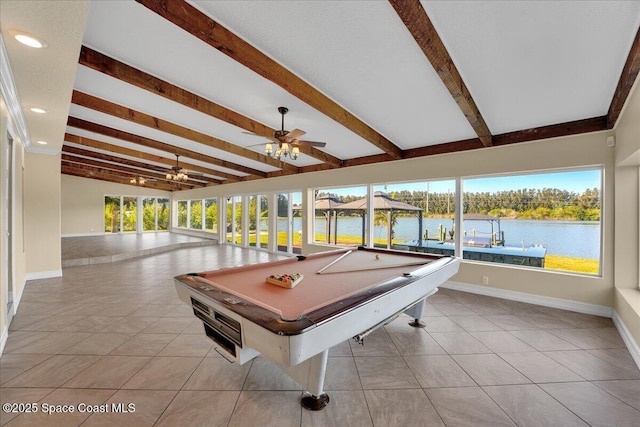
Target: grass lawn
579,265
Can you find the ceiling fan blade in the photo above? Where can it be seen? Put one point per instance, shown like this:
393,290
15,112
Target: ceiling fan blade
261,144
294,134
270,138
309,143
252,134
188,172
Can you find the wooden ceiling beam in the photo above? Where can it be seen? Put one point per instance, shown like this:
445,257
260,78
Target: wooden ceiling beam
107,107
146,169
627,78
417,21
449,147
130,172
316,168
151,143
109,158
367,160
576,127
211,32
84,171
99,145
121,71
594,124
114,68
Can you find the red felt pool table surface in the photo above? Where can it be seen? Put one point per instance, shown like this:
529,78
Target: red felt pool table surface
351,272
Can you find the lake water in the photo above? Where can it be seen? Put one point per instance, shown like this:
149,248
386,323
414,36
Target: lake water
579,239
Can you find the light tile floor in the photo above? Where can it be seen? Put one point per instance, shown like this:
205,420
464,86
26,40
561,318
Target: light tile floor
85,250
117,334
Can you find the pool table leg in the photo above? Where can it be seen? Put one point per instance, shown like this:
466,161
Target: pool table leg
416,312
317,398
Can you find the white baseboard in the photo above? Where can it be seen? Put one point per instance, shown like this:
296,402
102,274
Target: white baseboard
628,339
17,297
3,338
564,304
37,275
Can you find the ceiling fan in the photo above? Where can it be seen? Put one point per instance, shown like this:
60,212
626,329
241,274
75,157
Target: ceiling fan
287,141
179,174
140,180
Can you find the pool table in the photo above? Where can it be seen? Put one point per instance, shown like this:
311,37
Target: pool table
343,294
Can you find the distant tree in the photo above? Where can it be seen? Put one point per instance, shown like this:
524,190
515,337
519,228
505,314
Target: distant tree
195,221
211,214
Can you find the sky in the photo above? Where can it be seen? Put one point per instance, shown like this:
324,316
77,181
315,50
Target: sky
574,181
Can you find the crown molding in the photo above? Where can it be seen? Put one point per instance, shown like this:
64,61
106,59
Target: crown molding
10,95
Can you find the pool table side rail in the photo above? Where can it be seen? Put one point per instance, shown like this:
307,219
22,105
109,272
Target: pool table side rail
329,311
266,318
273,322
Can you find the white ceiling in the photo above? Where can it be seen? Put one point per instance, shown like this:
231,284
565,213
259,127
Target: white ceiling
535,63
526,64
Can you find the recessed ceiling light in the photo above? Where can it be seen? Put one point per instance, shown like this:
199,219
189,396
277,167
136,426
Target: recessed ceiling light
38,110
28,39
42,142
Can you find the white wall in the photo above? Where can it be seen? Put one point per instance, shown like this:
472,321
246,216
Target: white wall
83,203
575,151
627,215
42,215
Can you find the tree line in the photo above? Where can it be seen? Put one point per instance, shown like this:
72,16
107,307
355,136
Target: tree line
526,203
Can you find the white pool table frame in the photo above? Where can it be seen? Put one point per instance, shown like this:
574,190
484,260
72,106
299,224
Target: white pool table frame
303,356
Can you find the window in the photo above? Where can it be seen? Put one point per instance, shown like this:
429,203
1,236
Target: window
211,215
195,214
163,214
111,214
289,222
129,214
340,216
234,220
148,214
192,212
155,214
254,215
182,213
258,221
121,214
547,220
413,215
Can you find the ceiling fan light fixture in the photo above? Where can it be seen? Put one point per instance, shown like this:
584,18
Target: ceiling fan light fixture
137,180
286,142
177,173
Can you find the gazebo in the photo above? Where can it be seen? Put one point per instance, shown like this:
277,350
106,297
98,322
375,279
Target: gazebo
383,202
494,239
328,205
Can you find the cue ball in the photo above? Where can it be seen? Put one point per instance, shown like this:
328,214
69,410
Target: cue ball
377,256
